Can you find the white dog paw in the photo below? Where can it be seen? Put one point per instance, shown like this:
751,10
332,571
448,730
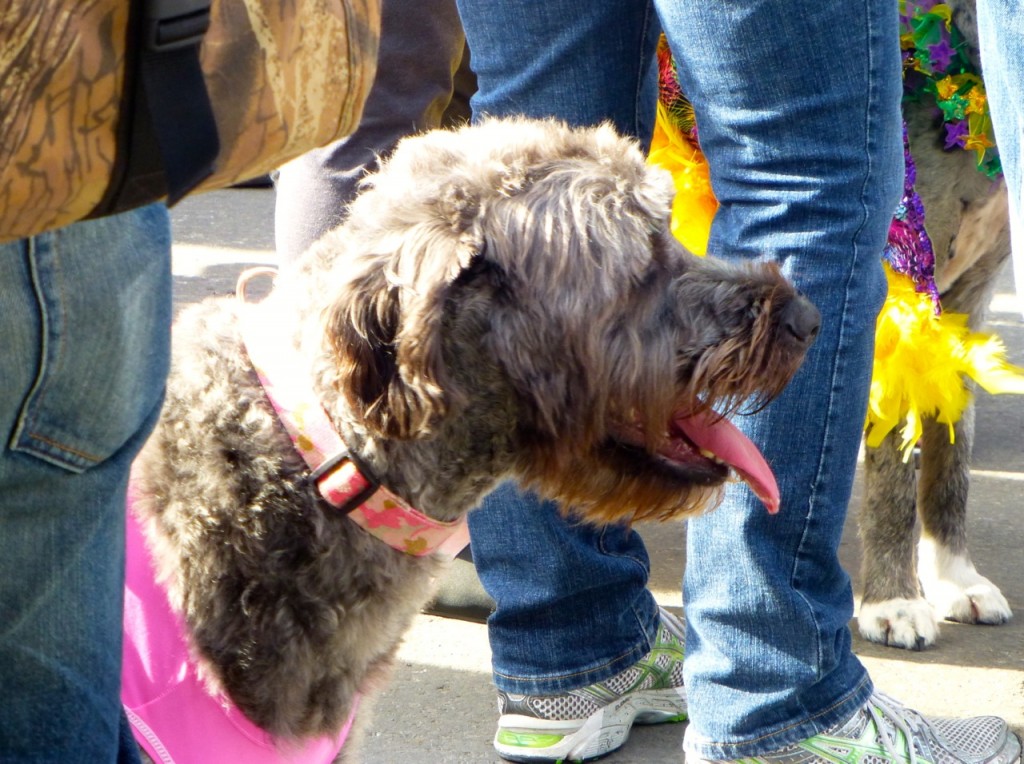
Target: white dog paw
957,591
981,603
974,601
910,624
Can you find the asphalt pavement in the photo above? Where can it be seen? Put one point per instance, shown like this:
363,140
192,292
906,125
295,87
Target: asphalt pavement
440,707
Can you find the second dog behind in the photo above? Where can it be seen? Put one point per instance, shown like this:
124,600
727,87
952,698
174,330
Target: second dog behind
907,590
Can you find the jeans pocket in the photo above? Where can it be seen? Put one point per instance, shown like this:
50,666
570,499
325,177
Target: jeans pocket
102,289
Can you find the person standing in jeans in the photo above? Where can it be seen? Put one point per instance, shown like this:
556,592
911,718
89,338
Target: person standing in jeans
798,108
85,316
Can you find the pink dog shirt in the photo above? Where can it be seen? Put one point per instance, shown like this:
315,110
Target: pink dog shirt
174,718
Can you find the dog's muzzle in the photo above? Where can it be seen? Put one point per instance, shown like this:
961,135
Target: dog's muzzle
799,323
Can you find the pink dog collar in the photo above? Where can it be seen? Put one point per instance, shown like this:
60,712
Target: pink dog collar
338,477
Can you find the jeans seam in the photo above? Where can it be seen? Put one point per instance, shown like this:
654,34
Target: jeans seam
871,103
24,430
62,447
638,97
601,546
646,569
24,420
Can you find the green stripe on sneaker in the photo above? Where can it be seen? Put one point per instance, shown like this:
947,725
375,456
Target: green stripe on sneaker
528,739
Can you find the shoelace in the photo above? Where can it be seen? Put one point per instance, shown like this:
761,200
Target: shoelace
673,624
882,708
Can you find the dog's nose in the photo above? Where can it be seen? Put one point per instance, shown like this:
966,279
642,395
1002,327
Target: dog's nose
800,321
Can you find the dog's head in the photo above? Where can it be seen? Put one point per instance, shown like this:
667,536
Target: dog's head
514,285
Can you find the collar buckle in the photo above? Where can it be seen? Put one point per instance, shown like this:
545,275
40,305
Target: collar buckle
354,499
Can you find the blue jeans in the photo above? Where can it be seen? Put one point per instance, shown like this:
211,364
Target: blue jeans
798,111
84,322
1001,27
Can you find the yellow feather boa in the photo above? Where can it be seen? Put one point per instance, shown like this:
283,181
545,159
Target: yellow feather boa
921,360
695,202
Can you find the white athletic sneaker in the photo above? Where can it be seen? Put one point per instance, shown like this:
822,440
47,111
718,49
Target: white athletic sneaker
885,732
593,721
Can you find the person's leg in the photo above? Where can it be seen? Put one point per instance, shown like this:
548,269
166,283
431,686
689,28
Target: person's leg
419,69
801,128
85,317
579,648
572,604
806,161
581,61
1001,28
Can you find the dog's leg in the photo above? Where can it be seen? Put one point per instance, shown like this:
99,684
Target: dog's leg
892,609
947,574
948,577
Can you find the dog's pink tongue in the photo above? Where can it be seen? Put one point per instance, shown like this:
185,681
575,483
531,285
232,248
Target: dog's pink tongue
722,438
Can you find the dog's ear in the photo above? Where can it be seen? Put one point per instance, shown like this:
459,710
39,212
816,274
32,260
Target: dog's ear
361,325
386,332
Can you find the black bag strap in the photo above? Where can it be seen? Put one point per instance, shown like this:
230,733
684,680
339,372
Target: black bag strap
179,105
168,140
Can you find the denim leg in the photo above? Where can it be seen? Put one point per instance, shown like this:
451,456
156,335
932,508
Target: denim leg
798,108
584,61
421,72
1001,27
798,111
85,317
572,604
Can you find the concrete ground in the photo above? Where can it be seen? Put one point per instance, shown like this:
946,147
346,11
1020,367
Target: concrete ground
440,706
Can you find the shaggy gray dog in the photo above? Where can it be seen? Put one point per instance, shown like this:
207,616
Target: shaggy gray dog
504,302
906,589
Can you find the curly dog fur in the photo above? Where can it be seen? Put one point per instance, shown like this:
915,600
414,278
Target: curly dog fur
503,302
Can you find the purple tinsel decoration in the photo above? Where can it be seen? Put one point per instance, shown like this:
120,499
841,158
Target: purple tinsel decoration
909,250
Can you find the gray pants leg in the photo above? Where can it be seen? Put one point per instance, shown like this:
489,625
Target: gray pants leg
423,81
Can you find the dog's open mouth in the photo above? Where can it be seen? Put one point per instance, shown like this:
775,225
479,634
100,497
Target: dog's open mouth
707,444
